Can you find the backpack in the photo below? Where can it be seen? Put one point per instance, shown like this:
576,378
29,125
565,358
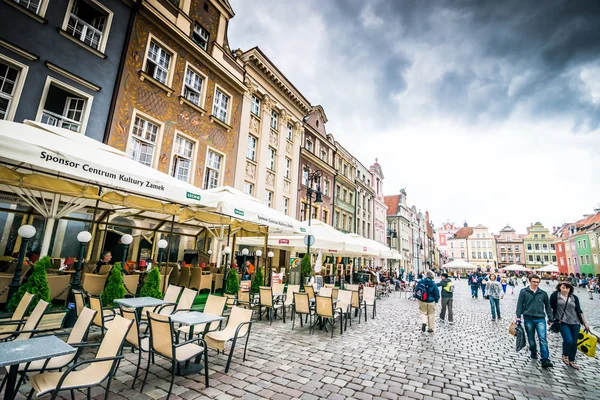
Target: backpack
449,287
474,280
421,291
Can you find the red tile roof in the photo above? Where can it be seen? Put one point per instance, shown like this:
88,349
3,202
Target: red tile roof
392,203
463,233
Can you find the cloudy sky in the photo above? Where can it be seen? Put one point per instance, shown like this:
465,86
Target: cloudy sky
485,111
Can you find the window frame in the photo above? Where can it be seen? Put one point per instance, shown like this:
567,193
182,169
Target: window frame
105,32
307,147
271,159
285,205
254,103
269,197
289,132
85,116
255,149
249,185
159,135
192,174
172,65
210,149
196,23
274,121
204,84
13,103
228,110
287,168
41,11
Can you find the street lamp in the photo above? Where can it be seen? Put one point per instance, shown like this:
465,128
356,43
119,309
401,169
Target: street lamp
162,245
227,251
83,238
258,254
26,232
126,239
310,178
245,252
270,255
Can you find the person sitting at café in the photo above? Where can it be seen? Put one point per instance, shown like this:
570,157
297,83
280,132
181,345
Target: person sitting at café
105,259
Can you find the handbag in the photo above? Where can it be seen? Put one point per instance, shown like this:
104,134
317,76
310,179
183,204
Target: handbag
586,343
555,327
512,329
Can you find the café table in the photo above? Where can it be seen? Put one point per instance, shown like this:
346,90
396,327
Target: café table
25,351
138,303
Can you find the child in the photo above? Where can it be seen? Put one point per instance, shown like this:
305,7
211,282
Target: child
511,283
503,282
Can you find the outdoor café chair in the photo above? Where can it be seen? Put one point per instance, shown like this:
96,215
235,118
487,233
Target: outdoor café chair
278,288
195,278
302,307
328,314
334,293
131,283
345,303
171,295
352,287
163,343
310,291
184,304
7,327
267,301
215,305
104,314
217,282
205,282
59,286
358,306
238,327
80,301
245,300
93,284
369,300
135,338
289,296
325,291
105,269
95,370
174,277
184,276
162,280
76,338
30,326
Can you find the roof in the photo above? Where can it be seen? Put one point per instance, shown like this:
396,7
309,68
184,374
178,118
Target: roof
480,227
392,203
463,233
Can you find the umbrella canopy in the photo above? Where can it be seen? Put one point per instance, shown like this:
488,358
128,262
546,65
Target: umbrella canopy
516,267
459,264
549,268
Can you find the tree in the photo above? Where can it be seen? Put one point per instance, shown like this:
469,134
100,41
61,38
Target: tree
115,289
37,284
151,287
232,284
257,281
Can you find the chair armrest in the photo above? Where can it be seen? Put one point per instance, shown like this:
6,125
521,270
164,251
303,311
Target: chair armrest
237,330
84,345
158,309
194,340
109,309
182,310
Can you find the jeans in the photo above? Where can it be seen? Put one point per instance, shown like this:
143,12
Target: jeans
569,334
447,303
531,327
483,290
495,304
504,288
474,290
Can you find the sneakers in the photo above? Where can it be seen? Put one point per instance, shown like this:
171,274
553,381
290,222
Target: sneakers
494,319
430,330
534,355
450,322
423,327
547,364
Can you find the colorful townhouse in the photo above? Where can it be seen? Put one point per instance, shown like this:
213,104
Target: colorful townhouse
539,246
577,246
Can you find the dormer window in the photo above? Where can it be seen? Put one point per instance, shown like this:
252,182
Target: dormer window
200,36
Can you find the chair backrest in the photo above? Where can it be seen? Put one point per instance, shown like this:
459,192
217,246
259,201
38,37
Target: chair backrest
310,291
355,298
325,292
161,334
334,293
105,269
131,283
168,270
238,316
174,277
229,300
79,300
172,293
291,289
184,276
369,295
94,283
186,301
82,326
5,280
34,320
301,302
133,336
324,306
244,296
58,286
195,278
266,296
329,285
21,309
111,346
345,297
278,288
215,305
96,305
352,287
162,281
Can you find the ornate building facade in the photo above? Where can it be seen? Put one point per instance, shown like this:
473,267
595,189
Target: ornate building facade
344,204
399,227
509,248
539,246
365,200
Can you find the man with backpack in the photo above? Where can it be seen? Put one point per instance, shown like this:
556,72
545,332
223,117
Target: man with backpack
428,295
447,297
474,282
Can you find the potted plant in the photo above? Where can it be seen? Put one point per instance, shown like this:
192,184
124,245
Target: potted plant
37,284
115,288
257,281
151,287
232,285
306,270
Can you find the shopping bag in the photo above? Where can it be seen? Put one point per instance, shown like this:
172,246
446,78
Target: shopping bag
512,329
521,341
586,343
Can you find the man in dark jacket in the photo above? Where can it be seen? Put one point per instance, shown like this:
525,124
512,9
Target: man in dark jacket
427,306
447,297
534,306
474,283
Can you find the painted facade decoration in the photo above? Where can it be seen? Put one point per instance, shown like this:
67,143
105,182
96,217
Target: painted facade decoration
539,246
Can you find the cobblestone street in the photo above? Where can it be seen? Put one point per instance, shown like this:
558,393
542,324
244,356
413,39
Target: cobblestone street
386,358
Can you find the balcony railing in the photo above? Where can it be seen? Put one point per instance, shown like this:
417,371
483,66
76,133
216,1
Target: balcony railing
84,32
60,121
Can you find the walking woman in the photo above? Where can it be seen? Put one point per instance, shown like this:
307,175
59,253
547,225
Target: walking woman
495,293
503,282
566,308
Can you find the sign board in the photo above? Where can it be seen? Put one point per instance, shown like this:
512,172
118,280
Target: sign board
319,282
309,240
245,285
283,241
276,278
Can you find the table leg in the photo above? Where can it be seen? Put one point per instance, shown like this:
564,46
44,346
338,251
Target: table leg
11,382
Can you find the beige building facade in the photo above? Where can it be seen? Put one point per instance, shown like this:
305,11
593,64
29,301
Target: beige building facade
344,204
482,248
509,248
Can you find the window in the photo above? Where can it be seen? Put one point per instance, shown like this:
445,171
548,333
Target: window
31,5
89,22
212,171
478,254
182,158
289,132
490,255
314,212
530,258
325,216
64,106
349,228
248,188
562,261
516,248
595,259
305,177
323,155
462,254
302,211
344,194
537,246
271,159
584,243
543,235
336,219
192,86
144,135
12,78
326,187
220,105
274,119
288,169
200,36
587,258
553,258
309,145
158,62
255,105
462,245
269,198
535,236
286,206
528,246
538,259
473,254
251,154
343,224
560,247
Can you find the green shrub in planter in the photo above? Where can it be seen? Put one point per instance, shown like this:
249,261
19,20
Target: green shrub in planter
115,288
257,281
232,284
37,284
151,287
305,267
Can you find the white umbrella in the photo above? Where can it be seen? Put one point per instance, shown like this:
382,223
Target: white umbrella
459,264
549,268
516,267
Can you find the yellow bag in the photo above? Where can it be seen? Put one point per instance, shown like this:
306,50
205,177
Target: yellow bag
586,343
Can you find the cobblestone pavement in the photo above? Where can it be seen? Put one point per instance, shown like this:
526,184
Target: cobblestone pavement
385,358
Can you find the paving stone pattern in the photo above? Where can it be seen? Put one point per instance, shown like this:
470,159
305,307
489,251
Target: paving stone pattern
385,358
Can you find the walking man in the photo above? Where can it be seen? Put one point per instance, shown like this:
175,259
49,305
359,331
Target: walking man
447,297
474,282
534,306
428,295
